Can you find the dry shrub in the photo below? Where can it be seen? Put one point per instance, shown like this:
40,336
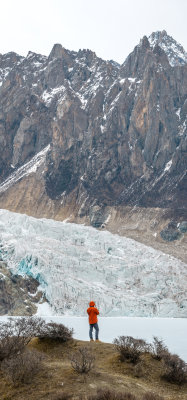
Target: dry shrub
16,334
22,368
57,332
111,395
10,346
61,396
175,369
139,369
130,349
158,349
82,361
152,396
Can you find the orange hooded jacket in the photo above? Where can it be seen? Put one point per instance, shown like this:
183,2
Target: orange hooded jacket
92,312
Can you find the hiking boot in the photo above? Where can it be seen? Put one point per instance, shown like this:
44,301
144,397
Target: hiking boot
91,340
97,340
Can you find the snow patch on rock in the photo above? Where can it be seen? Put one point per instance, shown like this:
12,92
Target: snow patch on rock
174,51
27,169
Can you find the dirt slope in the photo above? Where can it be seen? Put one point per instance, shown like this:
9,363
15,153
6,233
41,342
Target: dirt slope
57,376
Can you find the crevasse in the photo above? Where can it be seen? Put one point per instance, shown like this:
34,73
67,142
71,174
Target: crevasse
75,263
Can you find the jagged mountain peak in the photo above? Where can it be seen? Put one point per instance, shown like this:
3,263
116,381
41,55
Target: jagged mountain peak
158,36
174,50
58,51
86,52
81,104
144,42
10,57
32,54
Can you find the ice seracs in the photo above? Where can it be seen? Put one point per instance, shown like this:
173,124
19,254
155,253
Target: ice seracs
75,264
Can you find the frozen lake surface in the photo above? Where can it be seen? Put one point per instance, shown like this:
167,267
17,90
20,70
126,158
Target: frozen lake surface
173,331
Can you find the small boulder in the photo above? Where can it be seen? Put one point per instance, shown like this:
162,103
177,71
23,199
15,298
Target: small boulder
171,232
183,227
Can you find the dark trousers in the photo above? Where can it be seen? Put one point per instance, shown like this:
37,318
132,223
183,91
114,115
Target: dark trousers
95,326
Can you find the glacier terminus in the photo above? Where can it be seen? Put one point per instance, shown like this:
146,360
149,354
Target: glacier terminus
76,263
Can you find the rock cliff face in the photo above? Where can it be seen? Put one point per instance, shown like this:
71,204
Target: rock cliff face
117,134
18,295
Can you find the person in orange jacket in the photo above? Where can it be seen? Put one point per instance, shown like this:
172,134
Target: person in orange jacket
93,312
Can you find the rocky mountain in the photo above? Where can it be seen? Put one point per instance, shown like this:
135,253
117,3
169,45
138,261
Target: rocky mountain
97,142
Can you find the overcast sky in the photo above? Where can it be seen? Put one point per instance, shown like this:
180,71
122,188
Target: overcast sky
111,28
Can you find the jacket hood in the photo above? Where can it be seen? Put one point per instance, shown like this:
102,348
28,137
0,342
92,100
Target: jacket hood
92,304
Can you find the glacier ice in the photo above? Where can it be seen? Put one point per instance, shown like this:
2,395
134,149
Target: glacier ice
76,263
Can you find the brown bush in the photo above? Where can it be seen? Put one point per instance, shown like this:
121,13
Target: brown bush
82,361
22,368
158,349
152,396
139,370
10,346
130,349
16,334
111,395
54,331
61,396
175,369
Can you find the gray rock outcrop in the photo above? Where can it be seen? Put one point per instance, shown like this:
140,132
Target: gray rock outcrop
18,295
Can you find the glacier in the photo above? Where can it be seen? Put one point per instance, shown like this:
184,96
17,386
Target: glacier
75,264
